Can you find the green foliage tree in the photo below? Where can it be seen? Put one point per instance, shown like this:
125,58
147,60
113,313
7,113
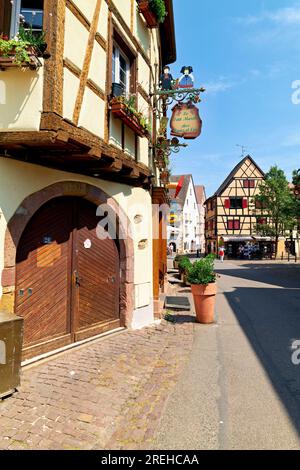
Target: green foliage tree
296,183
276,203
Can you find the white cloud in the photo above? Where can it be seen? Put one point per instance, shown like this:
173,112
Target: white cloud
282,16
219,86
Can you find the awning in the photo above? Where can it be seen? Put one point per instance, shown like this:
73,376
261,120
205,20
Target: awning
237,239
262,239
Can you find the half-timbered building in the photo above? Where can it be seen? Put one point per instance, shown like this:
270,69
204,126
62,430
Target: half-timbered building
232,216
69,144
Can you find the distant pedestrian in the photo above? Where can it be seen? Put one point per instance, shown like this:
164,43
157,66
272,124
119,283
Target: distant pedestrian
222,254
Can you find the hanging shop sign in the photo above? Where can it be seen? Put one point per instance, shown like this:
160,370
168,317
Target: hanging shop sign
186,121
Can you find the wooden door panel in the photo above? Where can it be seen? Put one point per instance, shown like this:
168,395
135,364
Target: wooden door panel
43,273
59,240
98,270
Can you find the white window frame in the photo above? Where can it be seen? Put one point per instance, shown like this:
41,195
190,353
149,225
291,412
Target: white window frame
118,52
15,17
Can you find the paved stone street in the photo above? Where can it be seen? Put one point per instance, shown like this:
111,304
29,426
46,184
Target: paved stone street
109,394
240,389
178,385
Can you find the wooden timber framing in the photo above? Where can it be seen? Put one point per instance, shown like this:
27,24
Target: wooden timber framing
133,2
85,22
58,134
90,84
220,210
159,198
54,24
127,30
109,55
87,62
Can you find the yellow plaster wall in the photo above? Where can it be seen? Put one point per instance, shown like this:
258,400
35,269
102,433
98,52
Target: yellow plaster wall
18,180
92,115
103,20
71,85
76,39
87,7
143,151
115,132
97,71
124,8
129,142
21,99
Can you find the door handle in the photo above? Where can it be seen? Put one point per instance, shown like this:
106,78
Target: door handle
76,279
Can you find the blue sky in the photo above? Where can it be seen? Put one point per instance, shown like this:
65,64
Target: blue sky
247,54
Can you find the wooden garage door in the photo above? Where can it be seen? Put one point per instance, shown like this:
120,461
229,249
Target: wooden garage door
67,278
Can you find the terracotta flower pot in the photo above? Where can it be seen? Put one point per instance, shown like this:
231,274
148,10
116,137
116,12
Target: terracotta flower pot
204,299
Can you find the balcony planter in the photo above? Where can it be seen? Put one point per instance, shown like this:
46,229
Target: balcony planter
153,11
121,110
13,59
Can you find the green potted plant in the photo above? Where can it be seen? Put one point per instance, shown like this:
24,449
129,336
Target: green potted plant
35,39
184,266
177,260
202,277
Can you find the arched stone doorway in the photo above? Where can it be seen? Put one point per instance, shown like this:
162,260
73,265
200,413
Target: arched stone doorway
31,206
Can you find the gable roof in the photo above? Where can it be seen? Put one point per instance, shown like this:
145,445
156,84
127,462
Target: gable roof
230,177
200,194
183,193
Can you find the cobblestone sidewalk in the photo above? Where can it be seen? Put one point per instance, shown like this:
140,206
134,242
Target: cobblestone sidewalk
107,395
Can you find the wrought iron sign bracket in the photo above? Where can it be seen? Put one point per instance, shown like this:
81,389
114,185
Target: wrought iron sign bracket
179,95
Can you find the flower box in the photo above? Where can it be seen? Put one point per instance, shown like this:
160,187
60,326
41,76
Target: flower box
121,111
8,60
149,16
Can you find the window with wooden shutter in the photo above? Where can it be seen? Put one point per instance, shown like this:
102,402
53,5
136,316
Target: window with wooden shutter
230,224
262,221
236,203
249,183
236,225
245,203
227,203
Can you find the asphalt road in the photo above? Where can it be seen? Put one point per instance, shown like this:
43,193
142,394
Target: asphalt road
240,389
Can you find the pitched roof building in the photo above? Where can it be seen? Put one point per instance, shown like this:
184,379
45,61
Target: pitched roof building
185,231
68,144
232,215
